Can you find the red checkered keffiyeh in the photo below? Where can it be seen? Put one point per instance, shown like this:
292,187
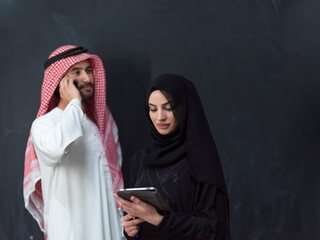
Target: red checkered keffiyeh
97,110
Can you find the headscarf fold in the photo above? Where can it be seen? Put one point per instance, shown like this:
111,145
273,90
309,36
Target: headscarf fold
192,138
98,111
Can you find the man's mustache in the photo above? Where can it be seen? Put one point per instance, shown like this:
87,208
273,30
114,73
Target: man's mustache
85,85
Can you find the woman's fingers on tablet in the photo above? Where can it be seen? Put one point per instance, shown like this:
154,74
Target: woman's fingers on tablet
135,200
120,200
130,223
134,208
116,196
127,218
137,221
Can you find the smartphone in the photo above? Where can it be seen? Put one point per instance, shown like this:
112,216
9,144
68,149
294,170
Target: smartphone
76,84
146,194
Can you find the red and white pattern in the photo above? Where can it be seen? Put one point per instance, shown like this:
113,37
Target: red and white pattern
98,111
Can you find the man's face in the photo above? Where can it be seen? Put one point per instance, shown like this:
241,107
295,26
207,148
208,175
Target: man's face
82,74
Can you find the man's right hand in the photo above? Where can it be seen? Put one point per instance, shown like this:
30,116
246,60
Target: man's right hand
68,90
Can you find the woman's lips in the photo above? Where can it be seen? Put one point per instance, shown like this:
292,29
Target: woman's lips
163,125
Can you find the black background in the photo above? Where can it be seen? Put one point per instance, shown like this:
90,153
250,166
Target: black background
255,64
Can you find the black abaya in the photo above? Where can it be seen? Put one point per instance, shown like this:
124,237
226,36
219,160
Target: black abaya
185,167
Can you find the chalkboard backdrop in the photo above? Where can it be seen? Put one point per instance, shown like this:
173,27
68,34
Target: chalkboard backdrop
256,67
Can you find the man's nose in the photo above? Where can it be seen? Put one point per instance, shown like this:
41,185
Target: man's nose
85,77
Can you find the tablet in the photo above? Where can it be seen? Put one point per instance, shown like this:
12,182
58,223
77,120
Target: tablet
146,194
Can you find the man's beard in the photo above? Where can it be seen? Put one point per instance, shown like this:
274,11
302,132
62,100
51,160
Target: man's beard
85,94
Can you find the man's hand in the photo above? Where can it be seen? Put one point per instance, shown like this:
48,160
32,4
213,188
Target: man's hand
68,90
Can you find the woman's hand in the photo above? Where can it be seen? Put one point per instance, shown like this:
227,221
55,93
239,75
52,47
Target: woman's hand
131,225
140,209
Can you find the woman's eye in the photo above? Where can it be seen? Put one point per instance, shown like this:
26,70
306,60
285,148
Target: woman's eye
153,109
168,109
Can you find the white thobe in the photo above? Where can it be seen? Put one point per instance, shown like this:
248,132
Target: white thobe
76,184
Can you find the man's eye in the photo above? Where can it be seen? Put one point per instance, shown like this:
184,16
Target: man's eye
89,70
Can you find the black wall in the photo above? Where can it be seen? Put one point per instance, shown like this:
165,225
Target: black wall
255,64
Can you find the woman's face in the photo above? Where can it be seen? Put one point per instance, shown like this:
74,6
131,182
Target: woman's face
161,113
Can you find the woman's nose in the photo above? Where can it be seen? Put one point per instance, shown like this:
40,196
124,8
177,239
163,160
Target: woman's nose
161,115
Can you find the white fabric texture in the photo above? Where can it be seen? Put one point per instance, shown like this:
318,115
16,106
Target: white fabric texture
76,188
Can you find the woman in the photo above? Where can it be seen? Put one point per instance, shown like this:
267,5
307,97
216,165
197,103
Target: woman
183,164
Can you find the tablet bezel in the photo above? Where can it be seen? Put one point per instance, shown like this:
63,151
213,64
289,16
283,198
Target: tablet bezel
147,194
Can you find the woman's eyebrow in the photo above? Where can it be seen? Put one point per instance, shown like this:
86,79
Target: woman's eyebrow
164,104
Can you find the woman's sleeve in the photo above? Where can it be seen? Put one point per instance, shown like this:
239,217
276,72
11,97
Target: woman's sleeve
205,222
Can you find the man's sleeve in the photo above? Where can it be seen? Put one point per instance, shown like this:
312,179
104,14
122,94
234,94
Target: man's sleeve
52,137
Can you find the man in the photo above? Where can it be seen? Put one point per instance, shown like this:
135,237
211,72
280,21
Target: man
73,156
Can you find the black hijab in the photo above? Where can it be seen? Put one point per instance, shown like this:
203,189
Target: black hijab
191,139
